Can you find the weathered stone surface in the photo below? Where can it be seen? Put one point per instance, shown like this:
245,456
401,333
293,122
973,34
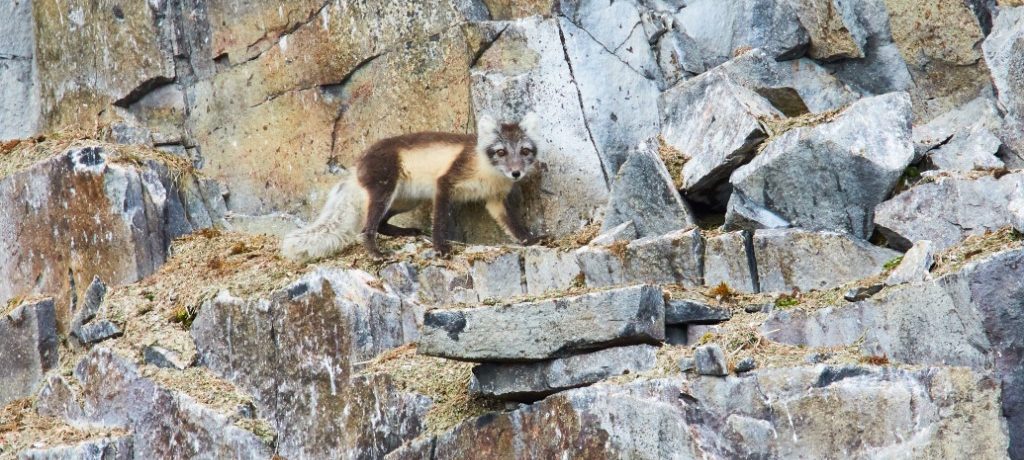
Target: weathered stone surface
119,448
981,113
673,258
618,116
938,41
643,193
92,211
90,56
91,301
507,333
28,348
679,56
58,399
301,344
512,9
165,423
729,260
966,151
882,70
498,277
833,28
550,270
743,214
161,357
716,124
532,381
794,87
625,231
442,286
710,360
915,265
683,311
831,176
792,258
526,69
98,331
1002,52
948,209
19,85
768,24
623,28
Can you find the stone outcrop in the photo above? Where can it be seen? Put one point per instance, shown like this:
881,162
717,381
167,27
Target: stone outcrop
28,348
643,193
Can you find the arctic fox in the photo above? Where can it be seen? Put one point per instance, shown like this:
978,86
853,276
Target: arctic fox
395,175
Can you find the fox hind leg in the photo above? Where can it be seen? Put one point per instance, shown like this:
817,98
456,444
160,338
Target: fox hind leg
393,230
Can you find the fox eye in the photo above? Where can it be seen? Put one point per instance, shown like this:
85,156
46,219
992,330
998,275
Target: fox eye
526,152
500,153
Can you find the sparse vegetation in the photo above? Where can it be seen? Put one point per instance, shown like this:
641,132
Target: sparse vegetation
891,264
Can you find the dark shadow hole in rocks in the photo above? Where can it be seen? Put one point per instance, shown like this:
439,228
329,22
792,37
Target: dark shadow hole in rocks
708,216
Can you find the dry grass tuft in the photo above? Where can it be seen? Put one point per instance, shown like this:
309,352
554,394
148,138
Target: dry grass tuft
21,428
674,161
976,247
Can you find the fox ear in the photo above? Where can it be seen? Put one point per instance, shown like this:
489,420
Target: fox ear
530,123
486,126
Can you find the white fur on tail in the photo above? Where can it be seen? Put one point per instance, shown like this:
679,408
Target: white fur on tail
338,225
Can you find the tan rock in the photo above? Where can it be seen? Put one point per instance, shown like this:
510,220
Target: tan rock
511,9
831,36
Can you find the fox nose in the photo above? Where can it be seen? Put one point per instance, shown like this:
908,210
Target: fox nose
516,174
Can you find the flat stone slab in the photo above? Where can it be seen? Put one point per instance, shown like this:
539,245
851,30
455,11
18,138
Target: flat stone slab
533,381
684,311
673,258
535,331
805,260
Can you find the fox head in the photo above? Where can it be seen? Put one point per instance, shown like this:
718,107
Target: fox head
510,147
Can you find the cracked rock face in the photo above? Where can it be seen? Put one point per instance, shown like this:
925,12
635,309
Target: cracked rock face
117,218
28,348
19,93
768,24
643,193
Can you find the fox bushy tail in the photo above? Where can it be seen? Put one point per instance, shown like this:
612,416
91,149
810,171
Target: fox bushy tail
337,226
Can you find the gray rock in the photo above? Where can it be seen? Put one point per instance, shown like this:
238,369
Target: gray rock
302,344
966,151
533,381
743,214
550,270
862,292
683,311
792,258
625,231
28,348
115,448
948,209
161,357
1002,50
710,360
400,278
981,113
575,185
794,87
729,260
768,24
618,116
19,79
442,286
833,27
90,301
716,124
57,399
620,29
98,331
915,266
1016,210
687,364
883,69
746,365
643,193
831,176
673,258
498,277
507,333
165,423
679,57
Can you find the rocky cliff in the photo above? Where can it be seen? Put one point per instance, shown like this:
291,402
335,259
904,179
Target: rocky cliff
778,229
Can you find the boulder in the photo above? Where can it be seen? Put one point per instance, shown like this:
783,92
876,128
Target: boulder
28,348
679,56
550,270
98,331
673,258
93,209
685,311
915,265
798,259
979,114
1002,51
508,333
526,69
948,209
710,360
769,24
58,399
882,69
716,124
533,381
967,151
498,277
832,175
643,193
729,259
